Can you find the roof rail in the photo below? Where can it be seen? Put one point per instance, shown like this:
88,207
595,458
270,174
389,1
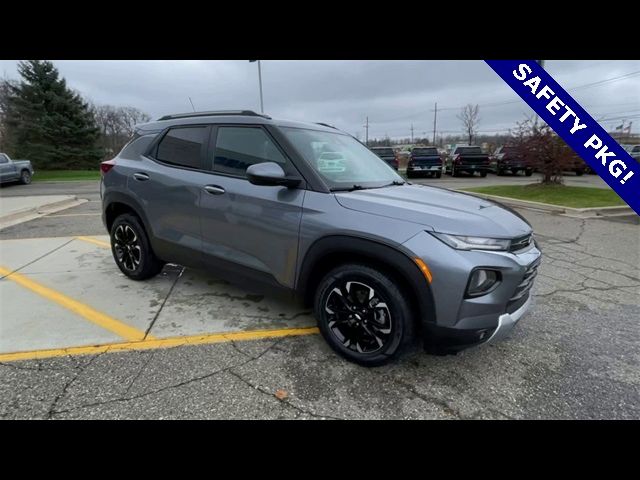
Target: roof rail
249,113
326,125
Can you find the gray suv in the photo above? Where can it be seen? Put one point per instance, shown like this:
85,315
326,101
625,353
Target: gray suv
308,209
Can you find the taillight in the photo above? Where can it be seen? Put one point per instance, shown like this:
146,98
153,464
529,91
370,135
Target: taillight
106,166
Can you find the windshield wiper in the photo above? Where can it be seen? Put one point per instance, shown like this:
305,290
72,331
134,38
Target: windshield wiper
348,189
395,182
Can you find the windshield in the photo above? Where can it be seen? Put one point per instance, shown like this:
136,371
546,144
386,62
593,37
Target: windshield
424,151
468,150
341,160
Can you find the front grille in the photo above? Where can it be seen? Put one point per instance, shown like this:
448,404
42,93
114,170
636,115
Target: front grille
522,290
521,243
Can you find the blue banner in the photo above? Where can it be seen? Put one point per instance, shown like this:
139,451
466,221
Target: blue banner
574,125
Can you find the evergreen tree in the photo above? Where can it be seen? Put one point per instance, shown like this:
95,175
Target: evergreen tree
48,123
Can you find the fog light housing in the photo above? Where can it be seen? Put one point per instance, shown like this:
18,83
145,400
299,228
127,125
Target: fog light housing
482,281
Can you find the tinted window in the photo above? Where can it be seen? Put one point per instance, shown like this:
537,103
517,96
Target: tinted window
424,151
136,147
468,150
183,146
237,148
636,149
3,158
387,152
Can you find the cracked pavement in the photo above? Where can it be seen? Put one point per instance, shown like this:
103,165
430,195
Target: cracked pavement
576,355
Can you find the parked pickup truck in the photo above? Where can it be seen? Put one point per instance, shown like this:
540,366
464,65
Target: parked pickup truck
424,161
467,158
508,159
387,154
15,170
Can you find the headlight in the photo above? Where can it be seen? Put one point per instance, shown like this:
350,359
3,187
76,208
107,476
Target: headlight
461,242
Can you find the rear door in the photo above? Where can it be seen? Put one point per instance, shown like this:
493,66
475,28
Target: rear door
169,187
246,225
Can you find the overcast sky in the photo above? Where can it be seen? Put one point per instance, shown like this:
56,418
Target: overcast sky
393,94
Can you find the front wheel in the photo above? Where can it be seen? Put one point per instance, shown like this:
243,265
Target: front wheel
483,173
528,172
25,177
363,315
131,249
439,175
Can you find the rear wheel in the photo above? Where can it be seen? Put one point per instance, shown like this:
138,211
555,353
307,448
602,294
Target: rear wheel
483,173
438,174
579,172
528,172
25,177
131,248
362,314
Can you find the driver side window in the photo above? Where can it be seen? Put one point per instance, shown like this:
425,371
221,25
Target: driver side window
237,148
3,158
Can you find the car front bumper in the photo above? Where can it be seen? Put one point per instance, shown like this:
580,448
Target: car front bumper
462,321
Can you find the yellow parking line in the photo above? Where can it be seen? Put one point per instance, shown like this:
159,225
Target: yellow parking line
95,241
85,311
159,343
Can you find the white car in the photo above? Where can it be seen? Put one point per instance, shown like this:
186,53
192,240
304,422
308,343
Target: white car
331,162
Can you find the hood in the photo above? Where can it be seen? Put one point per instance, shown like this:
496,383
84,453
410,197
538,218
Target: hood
439,209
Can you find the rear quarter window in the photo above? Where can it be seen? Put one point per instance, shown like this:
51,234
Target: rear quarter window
137,147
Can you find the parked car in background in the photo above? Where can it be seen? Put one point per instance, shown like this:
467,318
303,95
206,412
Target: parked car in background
376,257
15,170
468,159
507,158
424,161
387,154
633,150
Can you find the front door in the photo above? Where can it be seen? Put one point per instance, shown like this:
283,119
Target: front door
249,225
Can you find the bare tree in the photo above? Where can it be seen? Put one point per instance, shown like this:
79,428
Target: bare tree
544,150
470,117
117,125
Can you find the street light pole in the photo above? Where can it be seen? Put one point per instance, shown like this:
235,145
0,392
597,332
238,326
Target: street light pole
260,82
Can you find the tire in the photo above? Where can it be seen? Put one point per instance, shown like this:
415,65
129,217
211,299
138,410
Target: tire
25,177
128,237
579,173
358,338
439,175
483,173
528,172
410,175
500,172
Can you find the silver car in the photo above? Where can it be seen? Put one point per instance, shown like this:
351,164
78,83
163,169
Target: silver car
382,261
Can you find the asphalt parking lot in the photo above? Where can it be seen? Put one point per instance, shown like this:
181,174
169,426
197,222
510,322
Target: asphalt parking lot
79,340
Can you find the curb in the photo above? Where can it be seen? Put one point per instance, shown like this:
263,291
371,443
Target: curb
594,212
31,213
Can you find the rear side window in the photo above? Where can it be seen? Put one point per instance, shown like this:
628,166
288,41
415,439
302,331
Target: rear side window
237,148
136,147
3,158
183,146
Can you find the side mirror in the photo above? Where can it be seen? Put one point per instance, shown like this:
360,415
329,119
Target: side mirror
270,174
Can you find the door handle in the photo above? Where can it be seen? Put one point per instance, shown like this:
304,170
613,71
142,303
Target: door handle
141,176
214,189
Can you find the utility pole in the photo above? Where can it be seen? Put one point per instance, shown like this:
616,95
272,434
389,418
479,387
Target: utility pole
535,121
435,122
366,135
412,133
